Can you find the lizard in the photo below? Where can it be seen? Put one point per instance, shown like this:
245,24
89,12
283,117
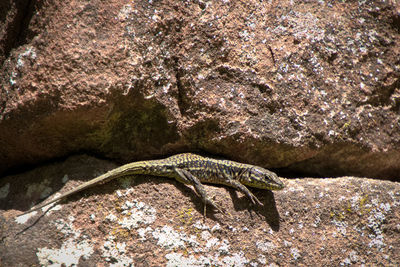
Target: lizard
192,169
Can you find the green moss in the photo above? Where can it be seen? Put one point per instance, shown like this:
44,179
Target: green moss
103,136
134,128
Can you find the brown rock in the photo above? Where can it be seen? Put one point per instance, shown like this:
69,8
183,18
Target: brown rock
153,221
311,88
306,88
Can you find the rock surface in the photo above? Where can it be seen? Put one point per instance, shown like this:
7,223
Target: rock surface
309,87
153,221
306,88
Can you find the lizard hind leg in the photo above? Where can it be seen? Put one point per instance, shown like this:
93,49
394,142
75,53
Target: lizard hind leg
187,178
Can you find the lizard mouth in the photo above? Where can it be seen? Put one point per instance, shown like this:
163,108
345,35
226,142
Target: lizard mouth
277,185
274,183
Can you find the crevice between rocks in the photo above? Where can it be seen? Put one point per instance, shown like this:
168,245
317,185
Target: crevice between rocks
181,90
16,33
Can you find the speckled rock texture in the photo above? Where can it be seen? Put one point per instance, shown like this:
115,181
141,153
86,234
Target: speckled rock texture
305,88
310,87
153,221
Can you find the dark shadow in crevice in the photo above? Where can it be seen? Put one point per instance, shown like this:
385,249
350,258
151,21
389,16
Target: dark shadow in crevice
17,31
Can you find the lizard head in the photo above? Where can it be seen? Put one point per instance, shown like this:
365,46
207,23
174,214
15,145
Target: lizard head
261,178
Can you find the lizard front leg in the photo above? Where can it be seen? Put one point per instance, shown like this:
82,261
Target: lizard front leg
236,184
186,177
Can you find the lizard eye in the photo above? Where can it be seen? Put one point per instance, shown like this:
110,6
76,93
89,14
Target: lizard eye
257,172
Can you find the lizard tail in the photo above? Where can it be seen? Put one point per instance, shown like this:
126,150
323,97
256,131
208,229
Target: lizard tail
124,170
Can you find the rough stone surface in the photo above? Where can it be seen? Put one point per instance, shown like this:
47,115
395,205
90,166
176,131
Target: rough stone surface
303,87
307,87
153,221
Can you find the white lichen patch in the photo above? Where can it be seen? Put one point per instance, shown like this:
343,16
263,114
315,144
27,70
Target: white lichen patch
75,247
168,238
115,253
224,247
395,198
237,259
216,228
341,226
67,228
375,223
134,215
295,253
353,258
205,235
178,259
293,187
4,190
51,207
138,213
125,12
201,226
212,242
111,217
29,55
143,231
24,218
68,255
171,239
267,246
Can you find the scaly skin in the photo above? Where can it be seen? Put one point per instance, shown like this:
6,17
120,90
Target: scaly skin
191,169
